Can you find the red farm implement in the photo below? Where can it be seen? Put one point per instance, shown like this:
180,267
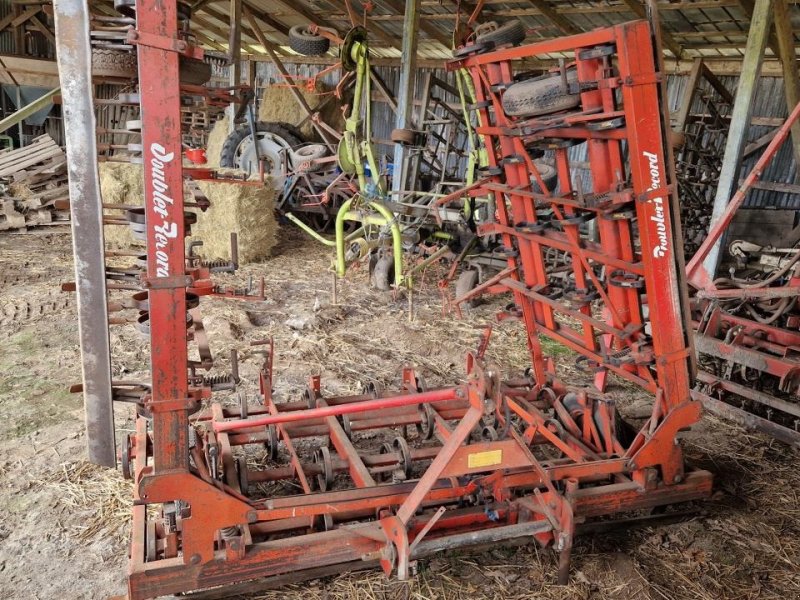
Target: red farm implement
488,460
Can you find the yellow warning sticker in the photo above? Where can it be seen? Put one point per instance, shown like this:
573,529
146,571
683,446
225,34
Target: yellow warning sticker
484,459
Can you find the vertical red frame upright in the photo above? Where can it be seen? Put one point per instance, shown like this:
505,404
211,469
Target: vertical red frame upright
159,91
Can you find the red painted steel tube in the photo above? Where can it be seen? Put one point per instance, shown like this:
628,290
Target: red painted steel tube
333,411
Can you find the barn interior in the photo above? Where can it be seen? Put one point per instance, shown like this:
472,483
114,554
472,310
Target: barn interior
400,299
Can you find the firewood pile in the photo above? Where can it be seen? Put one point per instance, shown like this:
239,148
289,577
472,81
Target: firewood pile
33,185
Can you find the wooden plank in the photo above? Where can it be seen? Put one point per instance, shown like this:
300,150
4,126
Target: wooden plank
669,41
20,153
427,27
44,30
25,16
740,122
561,22
16,167
688,95
759,143
786,54
41,151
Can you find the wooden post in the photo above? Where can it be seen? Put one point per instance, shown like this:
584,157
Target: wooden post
235,52
791,79
740,120
405,92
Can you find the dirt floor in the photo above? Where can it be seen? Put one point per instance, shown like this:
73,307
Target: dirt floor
63,523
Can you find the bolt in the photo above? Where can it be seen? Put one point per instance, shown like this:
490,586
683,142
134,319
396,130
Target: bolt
181,45
252,516
678,479
459,393
195,560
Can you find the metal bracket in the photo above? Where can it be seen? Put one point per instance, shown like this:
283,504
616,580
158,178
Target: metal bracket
165,43
166,283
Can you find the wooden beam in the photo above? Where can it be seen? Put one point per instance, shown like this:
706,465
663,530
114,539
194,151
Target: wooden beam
375,28
235,43
786,54
429,29
19,20
42,28
562,23
717,84
246,30
741,114
669,41
688,96
267,19
223,36
299,9
208,41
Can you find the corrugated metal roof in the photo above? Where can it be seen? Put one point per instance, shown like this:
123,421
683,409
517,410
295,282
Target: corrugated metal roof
711,28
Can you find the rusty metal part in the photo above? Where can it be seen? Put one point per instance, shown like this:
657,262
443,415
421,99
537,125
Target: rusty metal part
74,66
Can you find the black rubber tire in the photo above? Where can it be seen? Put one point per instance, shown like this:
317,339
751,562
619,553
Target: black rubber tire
510,33
540,96
128,8
113,63
549,175
306,43
194,71
227,157
466,282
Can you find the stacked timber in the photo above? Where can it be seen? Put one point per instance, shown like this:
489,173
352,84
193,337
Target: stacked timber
33,185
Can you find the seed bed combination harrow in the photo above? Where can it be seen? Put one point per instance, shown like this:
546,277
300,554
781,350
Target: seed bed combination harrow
493,458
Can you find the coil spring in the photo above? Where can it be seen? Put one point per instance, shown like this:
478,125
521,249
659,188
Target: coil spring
216,264
225,381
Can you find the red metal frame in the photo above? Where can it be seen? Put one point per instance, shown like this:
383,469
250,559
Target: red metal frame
491,459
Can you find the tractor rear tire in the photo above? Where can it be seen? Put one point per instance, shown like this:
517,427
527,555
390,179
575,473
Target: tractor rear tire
511,33
113,63
540,96
306,43
194,71
227,157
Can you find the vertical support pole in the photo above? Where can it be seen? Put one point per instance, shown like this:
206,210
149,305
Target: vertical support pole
75,71
791,78
164,211
685,107
740,120
422,115
235,53
405,93
20,129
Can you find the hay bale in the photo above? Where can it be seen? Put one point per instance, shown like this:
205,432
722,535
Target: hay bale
121,183
278,104
216,139
246,210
